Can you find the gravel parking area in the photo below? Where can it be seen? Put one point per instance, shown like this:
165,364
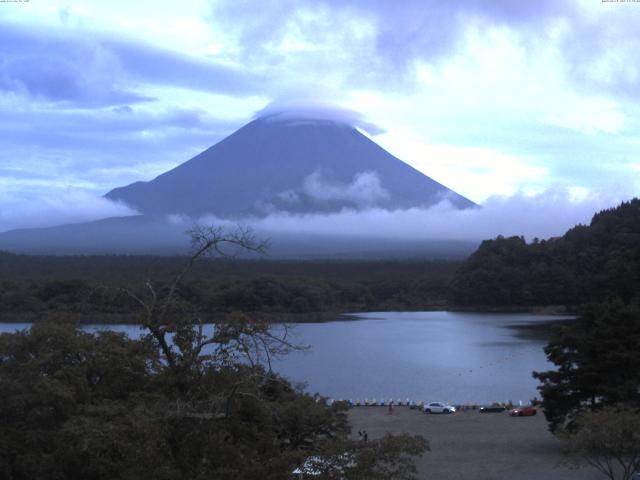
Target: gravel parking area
476,446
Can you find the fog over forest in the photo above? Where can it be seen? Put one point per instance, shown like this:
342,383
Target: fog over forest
543,215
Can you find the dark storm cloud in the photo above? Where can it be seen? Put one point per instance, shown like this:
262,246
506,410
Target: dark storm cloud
89,69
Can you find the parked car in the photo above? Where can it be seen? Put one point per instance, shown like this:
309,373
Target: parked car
492,409
527,411
438,407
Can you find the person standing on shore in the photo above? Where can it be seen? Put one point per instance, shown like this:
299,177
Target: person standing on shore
390,407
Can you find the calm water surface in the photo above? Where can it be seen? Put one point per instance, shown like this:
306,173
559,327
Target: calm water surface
431,356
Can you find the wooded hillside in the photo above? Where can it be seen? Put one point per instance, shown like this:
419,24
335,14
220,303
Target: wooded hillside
589,263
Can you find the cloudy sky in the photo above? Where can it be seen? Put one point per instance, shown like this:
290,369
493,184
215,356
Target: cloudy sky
491,98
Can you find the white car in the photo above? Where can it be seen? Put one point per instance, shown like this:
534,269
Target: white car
437,407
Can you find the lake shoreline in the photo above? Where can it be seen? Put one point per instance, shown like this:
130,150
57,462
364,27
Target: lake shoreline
277,317
461,357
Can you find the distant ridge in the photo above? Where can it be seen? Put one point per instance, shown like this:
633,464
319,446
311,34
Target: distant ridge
146,234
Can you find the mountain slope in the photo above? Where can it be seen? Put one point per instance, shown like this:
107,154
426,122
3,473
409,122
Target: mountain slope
272,164
292,165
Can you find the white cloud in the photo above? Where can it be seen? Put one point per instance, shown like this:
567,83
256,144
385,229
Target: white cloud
478,173
44,210
318,192
365,189
316,107
485,97
544,215
586,115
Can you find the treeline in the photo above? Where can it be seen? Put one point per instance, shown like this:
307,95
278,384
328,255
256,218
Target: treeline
177,403
33,288
592,396
102,406
591,263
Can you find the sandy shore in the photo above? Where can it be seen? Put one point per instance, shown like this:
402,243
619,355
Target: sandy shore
476,446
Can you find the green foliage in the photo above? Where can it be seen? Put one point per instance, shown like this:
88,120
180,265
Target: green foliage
608,440
598,363
217,287
77,406
177,404
389,457
50,377
589,263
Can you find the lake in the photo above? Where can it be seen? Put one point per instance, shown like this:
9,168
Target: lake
432,356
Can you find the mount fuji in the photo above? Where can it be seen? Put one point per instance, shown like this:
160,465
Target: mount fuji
276,164
287,164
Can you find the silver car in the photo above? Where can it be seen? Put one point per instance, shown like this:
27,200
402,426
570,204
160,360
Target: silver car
438,407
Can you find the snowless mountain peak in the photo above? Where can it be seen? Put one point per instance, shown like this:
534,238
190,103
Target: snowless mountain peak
290,160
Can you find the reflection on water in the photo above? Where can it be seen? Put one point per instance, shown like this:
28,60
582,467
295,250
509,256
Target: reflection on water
432,356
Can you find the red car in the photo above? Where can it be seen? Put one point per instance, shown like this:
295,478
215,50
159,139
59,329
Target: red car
527,411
